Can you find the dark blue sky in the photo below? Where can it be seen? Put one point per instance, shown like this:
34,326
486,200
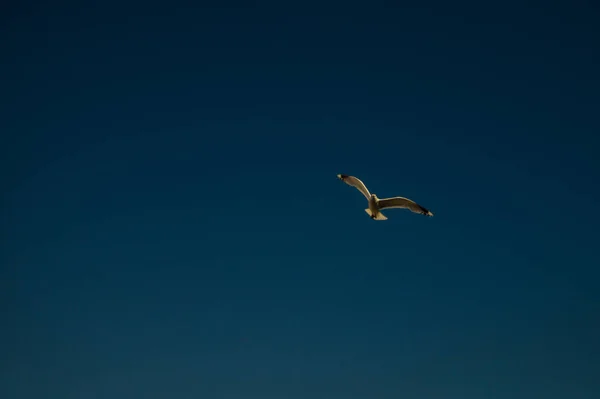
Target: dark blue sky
172,225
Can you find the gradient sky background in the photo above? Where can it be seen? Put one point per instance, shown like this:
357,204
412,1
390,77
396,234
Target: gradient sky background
172,225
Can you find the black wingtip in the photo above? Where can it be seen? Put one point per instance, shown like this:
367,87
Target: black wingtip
425,211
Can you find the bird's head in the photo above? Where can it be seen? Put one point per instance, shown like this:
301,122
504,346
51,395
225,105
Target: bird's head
374,196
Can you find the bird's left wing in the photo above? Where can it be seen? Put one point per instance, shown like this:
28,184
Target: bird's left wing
401,202
357,183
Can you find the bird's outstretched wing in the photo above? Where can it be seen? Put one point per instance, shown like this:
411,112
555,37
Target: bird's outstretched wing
401,202
355,182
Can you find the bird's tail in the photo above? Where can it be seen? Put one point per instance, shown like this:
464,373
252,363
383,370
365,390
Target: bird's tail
379,216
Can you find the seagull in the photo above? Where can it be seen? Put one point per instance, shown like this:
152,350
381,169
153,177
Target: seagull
376,205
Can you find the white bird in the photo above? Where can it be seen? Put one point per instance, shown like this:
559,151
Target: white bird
376,204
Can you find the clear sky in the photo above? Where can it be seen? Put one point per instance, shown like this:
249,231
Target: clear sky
172,225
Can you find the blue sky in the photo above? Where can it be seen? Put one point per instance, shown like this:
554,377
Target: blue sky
172,225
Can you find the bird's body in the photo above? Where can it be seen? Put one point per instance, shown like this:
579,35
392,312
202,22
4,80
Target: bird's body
376,204
373,209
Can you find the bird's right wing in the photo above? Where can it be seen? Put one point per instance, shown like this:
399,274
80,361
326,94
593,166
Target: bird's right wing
355,182
401,202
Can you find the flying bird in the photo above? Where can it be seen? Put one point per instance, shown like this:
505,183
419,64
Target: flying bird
376,205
